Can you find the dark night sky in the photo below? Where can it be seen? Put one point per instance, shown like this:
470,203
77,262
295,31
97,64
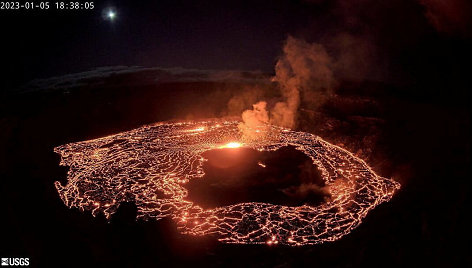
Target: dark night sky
244,35
403,42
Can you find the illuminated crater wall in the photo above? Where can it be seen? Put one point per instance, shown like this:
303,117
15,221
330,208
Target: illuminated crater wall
151,165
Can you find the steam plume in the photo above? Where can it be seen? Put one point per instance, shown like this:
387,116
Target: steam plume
304,71
452,16
254,120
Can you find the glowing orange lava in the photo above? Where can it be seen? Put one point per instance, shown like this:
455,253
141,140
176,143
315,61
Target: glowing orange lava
151,165
232,145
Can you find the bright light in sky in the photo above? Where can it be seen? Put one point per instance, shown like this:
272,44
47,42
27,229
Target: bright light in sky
111,15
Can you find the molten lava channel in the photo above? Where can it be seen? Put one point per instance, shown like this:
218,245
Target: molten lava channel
151,166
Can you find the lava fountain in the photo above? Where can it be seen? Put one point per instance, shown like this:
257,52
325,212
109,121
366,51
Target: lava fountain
231,145
151,165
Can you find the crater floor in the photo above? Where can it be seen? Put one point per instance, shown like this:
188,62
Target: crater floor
153,165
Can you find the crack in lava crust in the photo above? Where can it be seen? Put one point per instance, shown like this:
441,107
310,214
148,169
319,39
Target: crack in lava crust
151,165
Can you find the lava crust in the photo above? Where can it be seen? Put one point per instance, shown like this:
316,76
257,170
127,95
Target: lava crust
150,166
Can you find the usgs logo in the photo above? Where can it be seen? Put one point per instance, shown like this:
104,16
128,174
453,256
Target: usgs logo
15,261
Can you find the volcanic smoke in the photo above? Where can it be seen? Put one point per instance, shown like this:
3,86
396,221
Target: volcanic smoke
304,70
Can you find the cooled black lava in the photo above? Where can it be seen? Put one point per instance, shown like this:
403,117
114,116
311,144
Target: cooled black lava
285,177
